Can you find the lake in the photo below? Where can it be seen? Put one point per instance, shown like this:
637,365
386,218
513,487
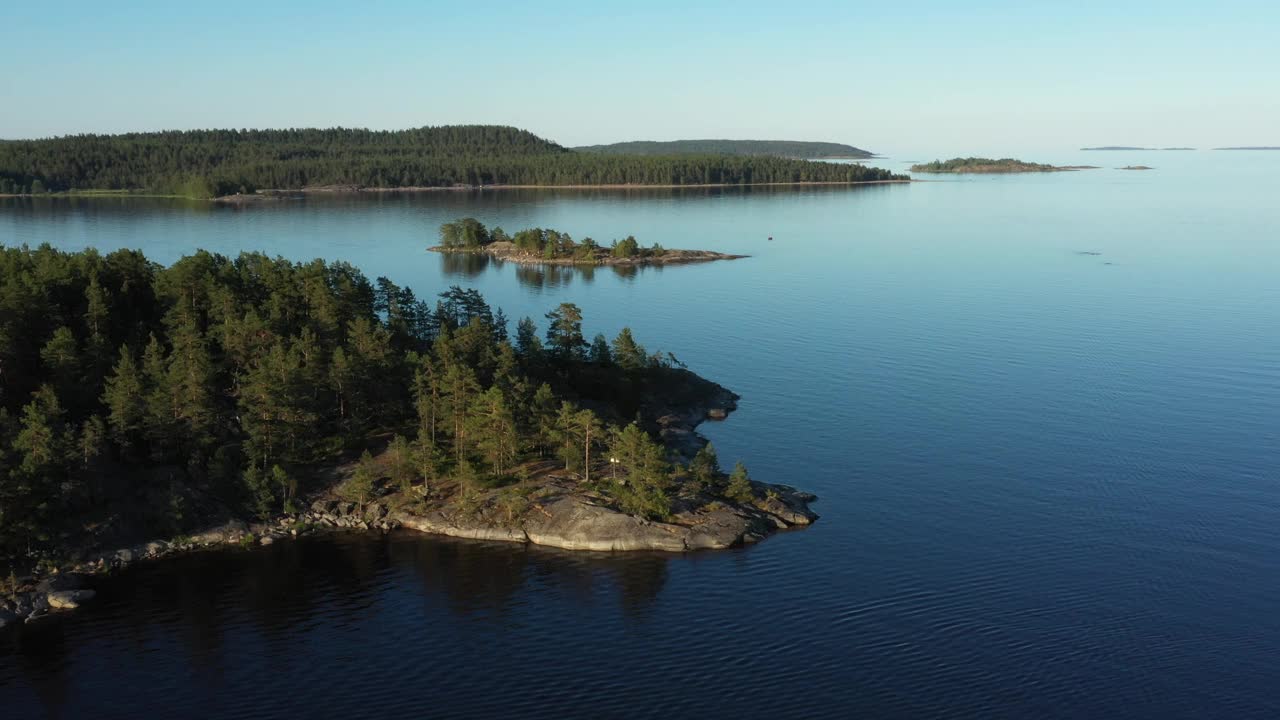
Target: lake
1041,412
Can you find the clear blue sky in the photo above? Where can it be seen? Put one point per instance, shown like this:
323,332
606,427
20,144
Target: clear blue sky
892,77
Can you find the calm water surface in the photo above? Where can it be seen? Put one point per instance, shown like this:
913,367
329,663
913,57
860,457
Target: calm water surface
1050,481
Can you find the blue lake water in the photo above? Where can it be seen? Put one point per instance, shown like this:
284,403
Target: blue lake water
1049,480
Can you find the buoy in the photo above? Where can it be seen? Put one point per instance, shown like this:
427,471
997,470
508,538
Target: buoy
771,238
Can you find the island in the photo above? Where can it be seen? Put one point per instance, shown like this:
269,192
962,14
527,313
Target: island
209,164
1125,147
149,410
978,165
779,148
540,246
1136,167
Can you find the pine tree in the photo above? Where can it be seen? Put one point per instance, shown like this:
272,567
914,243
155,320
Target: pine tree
627,353
495,430
564,332
739,487
124,398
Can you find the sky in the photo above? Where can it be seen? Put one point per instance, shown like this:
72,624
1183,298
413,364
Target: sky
973,77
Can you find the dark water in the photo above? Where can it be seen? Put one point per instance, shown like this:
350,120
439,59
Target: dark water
1050,481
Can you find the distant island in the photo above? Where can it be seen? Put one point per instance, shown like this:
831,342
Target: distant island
539,246
220,163
1251,147
148,410
977,165
777,148
1136,167
1124,147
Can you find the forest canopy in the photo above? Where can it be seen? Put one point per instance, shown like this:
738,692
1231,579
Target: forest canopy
212,163
779,148
156,398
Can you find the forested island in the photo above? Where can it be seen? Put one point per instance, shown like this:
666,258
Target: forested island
148,409
542,246
778,148
217,163
978,165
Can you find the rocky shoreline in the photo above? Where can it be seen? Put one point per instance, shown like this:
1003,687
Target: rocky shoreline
556,511
508,252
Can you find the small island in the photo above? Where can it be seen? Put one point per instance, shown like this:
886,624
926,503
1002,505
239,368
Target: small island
251,400
984,166
540,246
1136,167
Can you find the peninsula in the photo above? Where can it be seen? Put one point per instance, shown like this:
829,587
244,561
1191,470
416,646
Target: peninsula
539,246
977,165
777,148
221,163
154,410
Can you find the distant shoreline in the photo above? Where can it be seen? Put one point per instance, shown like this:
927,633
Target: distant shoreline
355,190
275,193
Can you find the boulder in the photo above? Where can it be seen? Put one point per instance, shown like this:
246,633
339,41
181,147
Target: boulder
68,599
717,414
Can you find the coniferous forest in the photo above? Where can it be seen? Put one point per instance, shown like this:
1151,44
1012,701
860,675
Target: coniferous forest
155,398
212,163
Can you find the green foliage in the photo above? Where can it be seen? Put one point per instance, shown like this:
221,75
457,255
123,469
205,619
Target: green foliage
211,163
739,487
359,487
640,475
704,470
258,485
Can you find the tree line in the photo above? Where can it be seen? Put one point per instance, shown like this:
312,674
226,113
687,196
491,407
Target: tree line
211,163
162,396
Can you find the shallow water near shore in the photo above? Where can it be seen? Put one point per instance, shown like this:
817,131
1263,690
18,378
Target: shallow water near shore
1049,481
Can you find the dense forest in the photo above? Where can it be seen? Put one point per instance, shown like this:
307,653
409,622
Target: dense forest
778,148
147,399
211,163
471,234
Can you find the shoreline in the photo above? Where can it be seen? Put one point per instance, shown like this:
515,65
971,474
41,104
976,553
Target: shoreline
276,193
560,513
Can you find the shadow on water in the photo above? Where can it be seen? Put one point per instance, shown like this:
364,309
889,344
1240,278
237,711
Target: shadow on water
199,609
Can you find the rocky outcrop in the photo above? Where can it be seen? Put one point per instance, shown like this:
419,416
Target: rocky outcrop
574,519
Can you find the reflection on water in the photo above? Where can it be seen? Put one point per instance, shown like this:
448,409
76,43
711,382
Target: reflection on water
202,605
469,267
